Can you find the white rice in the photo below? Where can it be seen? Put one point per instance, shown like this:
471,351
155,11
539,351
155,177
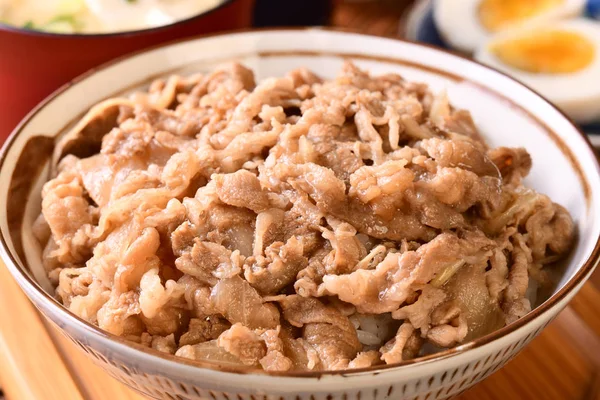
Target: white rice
372,330
368,338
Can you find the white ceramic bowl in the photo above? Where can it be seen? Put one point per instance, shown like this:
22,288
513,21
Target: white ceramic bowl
564,167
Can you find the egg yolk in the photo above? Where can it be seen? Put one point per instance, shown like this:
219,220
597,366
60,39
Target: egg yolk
546,51
499,14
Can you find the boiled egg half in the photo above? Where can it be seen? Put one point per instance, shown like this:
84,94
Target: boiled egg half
561,61
467,24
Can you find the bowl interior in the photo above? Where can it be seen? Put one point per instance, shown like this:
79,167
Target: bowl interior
507,113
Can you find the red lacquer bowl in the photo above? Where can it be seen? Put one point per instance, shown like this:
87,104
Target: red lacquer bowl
33,64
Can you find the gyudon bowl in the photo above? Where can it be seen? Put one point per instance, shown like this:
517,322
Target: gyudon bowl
264,214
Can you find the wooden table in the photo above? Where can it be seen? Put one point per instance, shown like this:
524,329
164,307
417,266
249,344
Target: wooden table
563,363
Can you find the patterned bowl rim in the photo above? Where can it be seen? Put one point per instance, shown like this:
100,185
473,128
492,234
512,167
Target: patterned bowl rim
578,278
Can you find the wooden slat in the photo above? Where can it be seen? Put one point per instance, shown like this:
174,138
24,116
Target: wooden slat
587,304
98,384
550,367
594,391
30,365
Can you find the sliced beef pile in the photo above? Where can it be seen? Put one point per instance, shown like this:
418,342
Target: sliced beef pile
293,224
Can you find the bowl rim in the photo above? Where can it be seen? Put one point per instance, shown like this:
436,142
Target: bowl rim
135,32
571,285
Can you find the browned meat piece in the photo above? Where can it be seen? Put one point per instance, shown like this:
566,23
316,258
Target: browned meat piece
278,268
167,121
235,77
516,310
347,250
514,164
243,147
224,83
229,226
303,76
404,346
335,352
302,355
139,268
550,231
461,122
132,139
127,180
329,150
496,277
69,216
518,277
461,189
513,207
241,189
179,171
113,316
208,351
85,137
98,178
196,296
165,93
382,186
448,335
548,225
239,302
419,312
234,228
386,287
203,260
433,214
204,330
365,359
515,304
170,319
166,344
324,328
183,237
272,92
269,229
243,343
82,280
344,308
255,347
450,325
461,153
303,220
309,279
275,359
